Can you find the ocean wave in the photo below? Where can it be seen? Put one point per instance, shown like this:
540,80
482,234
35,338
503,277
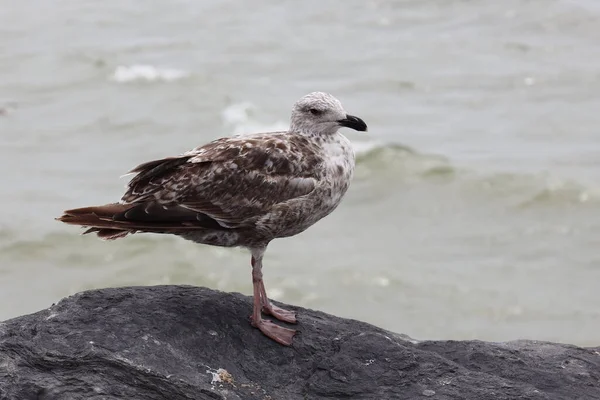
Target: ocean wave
148,73
566,190
400,164
23,246
541,189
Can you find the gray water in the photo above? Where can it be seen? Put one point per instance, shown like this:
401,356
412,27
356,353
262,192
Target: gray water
475,208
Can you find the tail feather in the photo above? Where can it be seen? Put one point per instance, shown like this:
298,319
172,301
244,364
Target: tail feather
100,219
116,220
107,210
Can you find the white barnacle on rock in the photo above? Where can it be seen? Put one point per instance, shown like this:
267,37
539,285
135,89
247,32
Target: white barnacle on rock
220,375
215,376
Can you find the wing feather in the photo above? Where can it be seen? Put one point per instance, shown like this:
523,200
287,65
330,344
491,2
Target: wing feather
232,180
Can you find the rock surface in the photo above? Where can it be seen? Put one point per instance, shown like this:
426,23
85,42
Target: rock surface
180,342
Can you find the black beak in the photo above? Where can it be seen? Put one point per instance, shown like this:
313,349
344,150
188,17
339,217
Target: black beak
353,122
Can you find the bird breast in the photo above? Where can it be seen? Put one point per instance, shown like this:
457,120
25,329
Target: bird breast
333,180
338,172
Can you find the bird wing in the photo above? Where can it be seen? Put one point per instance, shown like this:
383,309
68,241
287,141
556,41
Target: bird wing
231,180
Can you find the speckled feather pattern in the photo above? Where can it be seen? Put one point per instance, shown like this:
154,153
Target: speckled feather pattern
260,186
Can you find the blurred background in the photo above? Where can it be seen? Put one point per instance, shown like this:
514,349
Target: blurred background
475,210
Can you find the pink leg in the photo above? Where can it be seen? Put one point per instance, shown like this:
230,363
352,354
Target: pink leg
271,309
277,333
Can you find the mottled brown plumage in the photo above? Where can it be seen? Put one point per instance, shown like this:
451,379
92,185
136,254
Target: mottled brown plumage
240,191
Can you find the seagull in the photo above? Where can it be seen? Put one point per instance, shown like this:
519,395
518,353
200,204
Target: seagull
243,190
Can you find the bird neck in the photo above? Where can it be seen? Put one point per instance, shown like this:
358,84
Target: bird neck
321,135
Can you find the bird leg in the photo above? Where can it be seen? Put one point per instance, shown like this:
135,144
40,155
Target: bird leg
277,333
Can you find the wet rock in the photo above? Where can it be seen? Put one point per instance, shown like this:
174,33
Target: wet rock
180,342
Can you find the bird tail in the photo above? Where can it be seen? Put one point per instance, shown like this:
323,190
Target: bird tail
117,220
101,220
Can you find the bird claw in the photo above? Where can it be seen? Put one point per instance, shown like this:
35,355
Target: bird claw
280,313
278,333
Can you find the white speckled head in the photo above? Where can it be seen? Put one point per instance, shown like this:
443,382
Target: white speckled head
322,114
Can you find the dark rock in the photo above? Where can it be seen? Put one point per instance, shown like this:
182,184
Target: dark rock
169,342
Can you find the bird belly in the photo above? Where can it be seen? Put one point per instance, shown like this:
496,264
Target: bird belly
213,237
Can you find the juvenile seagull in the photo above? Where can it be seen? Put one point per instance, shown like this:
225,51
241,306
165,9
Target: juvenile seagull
241,191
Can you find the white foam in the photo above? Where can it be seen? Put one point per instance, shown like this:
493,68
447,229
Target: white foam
238,116
237,113
148,73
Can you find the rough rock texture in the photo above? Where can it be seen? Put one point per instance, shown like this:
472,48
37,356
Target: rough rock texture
179,342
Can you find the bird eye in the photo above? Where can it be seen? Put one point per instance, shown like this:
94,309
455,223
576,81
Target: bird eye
314,111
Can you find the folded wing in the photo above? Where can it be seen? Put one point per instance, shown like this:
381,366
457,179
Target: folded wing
233,181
